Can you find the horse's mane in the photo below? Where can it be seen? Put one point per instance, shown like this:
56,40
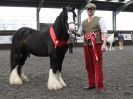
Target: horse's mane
60,26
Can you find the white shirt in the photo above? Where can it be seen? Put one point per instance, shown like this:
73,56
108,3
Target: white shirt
101,25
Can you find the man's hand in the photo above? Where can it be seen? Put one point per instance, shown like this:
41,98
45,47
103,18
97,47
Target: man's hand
103,48
75,33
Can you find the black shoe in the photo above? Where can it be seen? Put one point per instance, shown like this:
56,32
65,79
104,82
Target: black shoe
92,87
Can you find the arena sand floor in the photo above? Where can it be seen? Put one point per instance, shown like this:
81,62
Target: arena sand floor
118,71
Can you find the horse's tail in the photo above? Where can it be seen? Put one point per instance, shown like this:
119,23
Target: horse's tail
12,59
15,53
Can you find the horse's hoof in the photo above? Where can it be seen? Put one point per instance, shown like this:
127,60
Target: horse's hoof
16,81
54,86
63,84
24,78
15,78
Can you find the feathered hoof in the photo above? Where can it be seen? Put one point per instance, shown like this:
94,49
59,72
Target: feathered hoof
15,80
63,84
24,78
54,85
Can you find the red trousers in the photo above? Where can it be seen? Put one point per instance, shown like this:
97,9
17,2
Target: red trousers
93,67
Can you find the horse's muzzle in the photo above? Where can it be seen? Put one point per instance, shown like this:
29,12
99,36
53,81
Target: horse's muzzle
72,26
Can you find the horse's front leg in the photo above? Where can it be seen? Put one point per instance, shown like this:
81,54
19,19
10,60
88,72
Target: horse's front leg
60,79
61,58
113,46
55,81
110,48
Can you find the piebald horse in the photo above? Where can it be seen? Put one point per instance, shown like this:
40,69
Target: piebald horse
111,41
52,43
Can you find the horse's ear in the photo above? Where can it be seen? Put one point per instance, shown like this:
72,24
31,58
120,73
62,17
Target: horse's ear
73,8
64,8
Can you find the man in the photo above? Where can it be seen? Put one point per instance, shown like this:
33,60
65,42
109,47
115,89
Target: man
95,35
71,43
121,40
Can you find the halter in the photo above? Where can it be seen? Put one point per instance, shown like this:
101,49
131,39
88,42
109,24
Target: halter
67,24
55,40
71,23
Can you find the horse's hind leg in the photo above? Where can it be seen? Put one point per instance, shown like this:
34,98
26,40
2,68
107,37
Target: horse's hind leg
113,46
14,60
20,66
107,46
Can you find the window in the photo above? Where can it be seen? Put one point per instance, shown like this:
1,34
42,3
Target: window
13,18
124,21
48,15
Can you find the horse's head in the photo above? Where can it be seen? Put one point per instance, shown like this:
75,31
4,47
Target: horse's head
69,18
116,35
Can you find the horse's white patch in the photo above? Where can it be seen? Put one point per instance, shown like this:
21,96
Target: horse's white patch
110,40
14,77
70,21
24,77
70,17
60,79
53,82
